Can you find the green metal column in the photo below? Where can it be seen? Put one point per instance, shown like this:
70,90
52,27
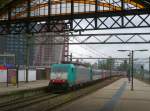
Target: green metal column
27,57
28,37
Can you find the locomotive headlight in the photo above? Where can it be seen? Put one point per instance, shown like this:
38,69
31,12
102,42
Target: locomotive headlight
64,75
59,75
53,76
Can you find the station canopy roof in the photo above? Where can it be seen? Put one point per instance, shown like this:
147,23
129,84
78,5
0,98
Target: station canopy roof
6,3
3,3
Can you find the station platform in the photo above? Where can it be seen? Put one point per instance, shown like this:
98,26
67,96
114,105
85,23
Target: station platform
22,86
115,97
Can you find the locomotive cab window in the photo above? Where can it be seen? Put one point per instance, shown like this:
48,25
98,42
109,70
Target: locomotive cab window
72,69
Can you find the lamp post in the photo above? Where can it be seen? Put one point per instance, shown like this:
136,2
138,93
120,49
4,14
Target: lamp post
132,63
132,69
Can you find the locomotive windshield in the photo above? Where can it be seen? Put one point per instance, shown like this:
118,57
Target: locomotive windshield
59,73
59,69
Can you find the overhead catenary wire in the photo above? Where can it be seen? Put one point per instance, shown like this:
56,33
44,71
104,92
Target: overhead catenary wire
92,50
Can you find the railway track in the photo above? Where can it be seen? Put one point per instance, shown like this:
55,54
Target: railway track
49,101
22,103
23,94
18,100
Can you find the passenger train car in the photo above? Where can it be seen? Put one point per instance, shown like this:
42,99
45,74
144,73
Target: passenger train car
64,76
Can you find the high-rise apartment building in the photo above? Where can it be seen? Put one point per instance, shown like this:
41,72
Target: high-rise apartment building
41,50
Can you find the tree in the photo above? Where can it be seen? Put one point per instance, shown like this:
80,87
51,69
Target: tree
106,64
124,66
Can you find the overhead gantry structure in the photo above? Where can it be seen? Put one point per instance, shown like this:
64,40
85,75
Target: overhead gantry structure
38,16
95,12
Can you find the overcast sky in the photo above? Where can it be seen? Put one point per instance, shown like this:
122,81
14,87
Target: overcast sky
107,50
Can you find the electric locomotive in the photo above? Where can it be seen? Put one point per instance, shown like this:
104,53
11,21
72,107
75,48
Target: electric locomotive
64,76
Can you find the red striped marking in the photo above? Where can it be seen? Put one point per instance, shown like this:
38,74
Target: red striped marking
3,68
60,81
